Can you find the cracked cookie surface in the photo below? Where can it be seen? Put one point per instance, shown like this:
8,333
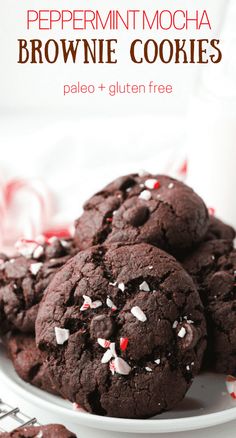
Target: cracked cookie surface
213,268
24,278
123,330
154,209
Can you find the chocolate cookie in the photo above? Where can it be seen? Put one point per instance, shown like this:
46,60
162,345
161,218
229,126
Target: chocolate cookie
123,330
24,278
219,230
153,209
28,362
213,268
50,431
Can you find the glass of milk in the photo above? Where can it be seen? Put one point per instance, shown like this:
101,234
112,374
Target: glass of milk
211,137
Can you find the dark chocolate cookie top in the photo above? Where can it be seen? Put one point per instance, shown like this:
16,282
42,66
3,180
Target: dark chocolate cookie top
147,208
219,230
28,361
123,330
24,278
50,431
213,268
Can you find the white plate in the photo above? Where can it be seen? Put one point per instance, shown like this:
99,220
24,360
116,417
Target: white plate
206,404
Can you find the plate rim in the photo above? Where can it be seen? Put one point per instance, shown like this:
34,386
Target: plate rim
124,424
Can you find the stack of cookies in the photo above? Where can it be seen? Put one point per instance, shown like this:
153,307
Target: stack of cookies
125,312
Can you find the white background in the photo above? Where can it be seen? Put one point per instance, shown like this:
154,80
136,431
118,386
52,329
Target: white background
76,144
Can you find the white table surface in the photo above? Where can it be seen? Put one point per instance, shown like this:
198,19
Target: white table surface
224,431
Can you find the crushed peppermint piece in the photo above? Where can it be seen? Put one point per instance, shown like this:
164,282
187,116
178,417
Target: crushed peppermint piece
157,361
211,211
86,304
39,434
123,343
110,304
143,172
231,386
38,252
190,321
113,284
144,286
65,243
192,363
62,335
171,185
152,183
35,267
213,257
96,304
145,195
52,239
150,267
138,313
148,369
112,367
107,356
141,185
113,349
120,366
121,286
175,324
26,247
187,367
182,332
104,343
76,406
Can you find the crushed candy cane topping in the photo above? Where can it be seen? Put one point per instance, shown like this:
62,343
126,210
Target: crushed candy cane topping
144,286
119,366
38,252
121,286
157,361
123,343
145,195
143,172
35,267
104,343
107,356
231,386
62,335
148,369
113,284
110,304
171,185
175,324
182,332
152,183
138,313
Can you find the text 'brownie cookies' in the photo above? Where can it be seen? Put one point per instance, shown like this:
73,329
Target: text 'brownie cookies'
154,209
50,431
24,278
213,268
123,330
